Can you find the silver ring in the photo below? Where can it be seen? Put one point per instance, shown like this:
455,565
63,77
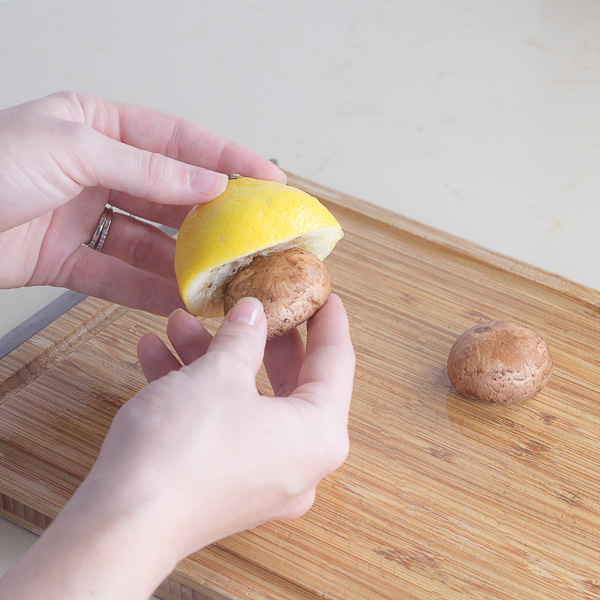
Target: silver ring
102,228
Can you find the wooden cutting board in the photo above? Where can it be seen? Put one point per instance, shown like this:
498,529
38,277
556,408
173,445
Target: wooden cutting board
440,497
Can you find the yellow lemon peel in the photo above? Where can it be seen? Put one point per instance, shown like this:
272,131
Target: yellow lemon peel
251,218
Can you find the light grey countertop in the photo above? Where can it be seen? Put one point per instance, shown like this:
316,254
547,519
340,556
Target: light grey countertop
479,118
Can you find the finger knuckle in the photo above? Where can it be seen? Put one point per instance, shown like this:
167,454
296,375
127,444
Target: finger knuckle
152,167
142,248
66,95
228,366
338,452
237,346
300,505
147,292
107,284
333,451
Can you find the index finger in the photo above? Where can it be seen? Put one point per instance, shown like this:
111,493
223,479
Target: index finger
186,141
327,373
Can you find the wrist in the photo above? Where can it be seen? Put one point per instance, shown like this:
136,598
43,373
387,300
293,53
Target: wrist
122,513
98,546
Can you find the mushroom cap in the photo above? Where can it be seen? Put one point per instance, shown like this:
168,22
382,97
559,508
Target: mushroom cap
499,361
292,285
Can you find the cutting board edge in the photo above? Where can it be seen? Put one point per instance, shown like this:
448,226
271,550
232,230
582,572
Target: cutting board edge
459,246
23,514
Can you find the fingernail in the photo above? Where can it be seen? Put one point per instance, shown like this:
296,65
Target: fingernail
207,182
247,311
283,177
177,310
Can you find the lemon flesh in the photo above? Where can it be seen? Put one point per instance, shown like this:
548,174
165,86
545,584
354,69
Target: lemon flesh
251,218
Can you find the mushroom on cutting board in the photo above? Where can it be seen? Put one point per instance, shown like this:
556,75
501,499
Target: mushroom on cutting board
501,362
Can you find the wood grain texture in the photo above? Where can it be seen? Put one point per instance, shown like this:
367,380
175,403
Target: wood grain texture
441,497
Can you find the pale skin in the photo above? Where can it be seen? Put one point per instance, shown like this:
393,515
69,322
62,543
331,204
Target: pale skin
197,454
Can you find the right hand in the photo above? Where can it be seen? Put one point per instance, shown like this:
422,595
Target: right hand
199,454
222,457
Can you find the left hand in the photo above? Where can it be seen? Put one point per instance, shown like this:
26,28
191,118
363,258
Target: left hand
64,157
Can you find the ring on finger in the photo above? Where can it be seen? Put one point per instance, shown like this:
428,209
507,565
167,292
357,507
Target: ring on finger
101,230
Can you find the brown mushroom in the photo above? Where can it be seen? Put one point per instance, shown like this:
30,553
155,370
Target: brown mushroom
292,285
500,361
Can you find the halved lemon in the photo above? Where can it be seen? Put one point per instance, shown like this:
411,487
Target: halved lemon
252,217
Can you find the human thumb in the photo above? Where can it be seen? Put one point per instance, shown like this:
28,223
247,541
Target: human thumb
243,334
150,175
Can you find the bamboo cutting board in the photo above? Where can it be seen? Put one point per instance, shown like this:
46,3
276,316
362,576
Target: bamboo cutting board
440,497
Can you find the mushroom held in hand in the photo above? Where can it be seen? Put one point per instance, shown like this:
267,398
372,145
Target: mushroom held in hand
500,361
292,285
233,244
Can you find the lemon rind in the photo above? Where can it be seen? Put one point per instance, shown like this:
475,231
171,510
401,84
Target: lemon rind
204,294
